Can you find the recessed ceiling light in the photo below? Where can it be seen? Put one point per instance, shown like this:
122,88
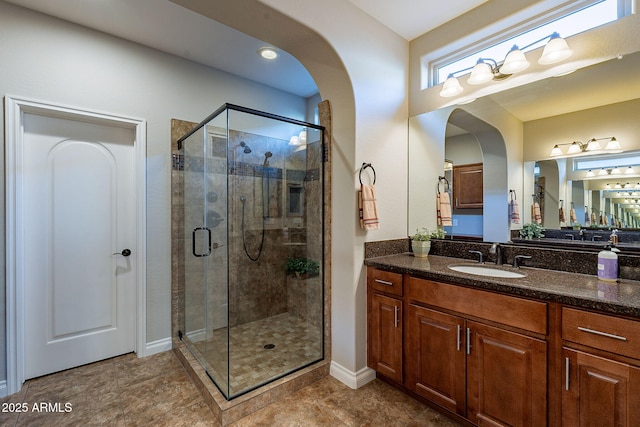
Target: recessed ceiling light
268,53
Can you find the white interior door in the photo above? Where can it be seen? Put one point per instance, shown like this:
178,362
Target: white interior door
78,216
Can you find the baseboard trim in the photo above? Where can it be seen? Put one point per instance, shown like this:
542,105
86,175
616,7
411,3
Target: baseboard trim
352,379
158,346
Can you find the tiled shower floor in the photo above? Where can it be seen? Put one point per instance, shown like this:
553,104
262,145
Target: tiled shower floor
291,344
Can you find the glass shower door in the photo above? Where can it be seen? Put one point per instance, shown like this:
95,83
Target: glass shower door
205,211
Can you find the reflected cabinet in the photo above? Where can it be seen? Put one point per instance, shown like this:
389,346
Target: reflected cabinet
467,186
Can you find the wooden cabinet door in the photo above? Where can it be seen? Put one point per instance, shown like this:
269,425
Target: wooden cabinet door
507,378
467,186
435,358
599,392
385,336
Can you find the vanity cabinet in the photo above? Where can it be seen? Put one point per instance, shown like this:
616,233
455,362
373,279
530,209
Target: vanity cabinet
459,358
601,374
436,362
468,186
500,359
384,323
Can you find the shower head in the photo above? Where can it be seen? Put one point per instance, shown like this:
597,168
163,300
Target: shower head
266,158
244,145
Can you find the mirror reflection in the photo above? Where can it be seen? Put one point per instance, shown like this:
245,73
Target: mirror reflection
595,102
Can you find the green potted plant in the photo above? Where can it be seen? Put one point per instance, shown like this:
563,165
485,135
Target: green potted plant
302,267
532,230
421,241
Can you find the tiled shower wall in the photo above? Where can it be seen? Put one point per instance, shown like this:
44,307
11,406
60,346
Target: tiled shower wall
257,289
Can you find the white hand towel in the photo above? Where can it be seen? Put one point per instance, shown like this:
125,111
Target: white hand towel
369,213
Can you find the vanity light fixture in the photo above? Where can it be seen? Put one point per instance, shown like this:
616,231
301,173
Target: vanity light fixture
607,186
602,172
615,171
617,186
592,146
590,174
629,170
638,185
487,69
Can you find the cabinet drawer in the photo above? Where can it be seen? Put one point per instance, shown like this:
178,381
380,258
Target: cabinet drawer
609,333
385,281
512,311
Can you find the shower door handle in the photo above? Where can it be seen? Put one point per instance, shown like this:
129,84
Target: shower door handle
193,240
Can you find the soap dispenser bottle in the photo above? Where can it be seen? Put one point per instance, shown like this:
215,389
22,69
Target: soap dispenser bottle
608,264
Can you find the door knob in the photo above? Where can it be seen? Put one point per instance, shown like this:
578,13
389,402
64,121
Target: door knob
125,252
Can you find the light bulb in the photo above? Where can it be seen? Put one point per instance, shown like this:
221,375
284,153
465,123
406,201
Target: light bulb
556,151
480,74
555,50
451,87
514,62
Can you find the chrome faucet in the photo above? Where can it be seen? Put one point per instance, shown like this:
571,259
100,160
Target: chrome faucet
480,256
517,258
497,249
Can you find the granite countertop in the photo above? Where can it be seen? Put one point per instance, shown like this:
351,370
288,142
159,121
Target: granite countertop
579,290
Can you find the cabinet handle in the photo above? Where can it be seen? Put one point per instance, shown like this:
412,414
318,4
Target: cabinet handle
384,282
567,365
468,340
395,320
603,334
459,338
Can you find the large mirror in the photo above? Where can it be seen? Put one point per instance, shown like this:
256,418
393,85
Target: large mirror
598,101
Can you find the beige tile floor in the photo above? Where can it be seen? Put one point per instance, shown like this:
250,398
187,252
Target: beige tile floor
156,391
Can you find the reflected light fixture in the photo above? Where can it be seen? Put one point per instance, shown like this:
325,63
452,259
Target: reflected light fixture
615,171
592,146
629,170
487,69
590,174
602,172
268,53
299,140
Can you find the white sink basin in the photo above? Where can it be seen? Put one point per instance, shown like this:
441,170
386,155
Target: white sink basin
483,270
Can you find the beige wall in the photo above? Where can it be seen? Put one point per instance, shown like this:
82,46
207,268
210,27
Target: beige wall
619,120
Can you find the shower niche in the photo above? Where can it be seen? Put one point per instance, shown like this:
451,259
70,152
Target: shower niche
252,199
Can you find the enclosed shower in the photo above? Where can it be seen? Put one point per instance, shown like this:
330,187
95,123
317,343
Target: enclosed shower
253,255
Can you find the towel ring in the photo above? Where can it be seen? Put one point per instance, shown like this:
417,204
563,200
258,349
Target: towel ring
447,187
363,167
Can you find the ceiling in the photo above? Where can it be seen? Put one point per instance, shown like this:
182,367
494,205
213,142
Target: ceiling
153,23
413,18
